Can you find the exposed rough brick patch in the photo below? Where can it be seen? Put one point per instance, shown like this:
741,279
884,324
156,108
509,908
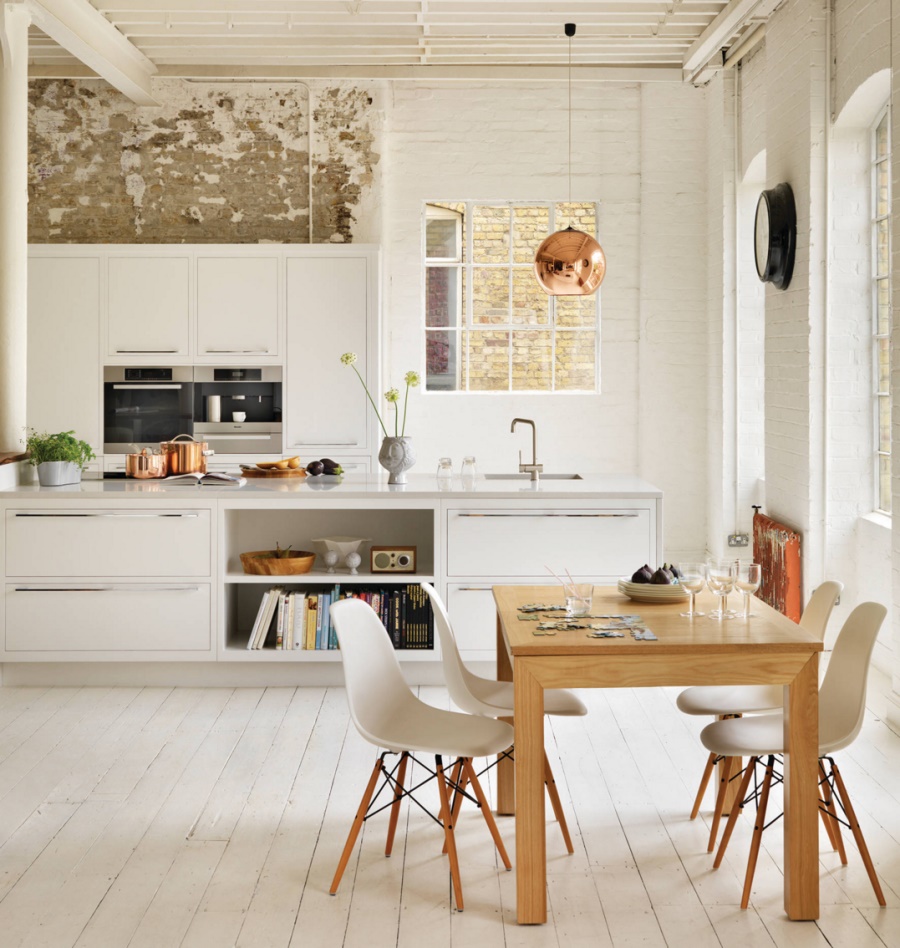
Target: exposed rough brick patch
206,166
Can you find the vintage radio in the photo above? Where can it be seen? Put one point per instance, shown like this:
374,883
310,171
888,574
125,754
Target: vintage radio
393,559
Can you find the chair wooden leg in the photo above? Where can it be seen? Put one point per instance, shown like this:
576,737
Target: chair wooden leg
447,820
758,828
704,783
395,806
486,811
458,779
720,802
831,822
857,832
356,827
735,811
553,793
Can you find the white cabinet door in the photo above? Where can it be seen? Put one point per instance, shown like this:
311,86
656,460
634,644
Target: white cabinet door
327,315
115,618
149,307
63,392
473,615
237,306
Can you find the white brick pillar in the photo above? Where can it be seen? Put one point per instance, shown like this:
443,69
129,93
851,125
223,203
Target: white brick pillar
14,21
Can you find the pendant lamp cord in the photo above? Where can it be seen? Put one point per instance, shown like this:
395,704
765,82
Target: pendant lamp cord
570,117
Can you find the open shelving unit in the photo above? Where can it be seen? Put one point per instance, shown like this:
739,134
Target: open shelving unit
258,528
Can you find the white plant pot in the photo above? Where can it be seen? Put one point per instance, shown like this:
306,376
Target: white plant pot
58,473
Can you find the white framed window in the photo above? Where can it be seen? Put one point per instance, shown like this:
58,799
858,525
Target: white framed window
489,327
881,306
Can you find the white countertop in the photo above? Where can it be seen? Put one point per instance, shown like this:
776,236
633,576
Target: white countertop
353,487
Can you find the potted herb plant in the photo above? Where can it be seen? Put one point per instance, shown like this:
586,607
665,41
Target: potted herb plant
60,458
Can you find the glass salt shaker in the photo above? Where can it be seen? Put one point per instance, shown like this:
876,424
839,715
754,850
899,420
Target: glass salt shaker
445,473
467,472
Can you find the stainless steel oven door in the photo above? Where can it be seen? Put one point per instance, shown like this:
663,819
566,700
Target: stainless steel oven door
256,437
143,406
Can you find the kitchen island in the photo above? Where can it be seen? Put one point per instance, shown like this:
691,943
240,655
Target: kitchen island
144,571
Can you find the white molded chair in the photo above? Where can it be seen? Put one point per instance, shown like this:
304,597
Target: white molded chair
386,713
735,700
842,706
495,699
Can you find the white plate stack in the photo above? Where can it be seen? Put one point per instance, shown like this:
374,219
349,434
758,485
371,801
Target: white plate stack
650,592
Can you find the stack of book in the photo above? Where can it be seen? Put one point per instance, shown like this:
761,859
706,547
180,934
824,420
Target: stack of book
289,619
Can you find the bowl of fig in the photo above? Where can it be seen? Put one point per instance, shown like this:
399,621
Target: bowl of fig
654,585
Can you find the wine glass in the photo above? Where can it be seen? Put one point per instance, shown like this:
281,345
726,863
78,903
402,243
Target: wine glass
747,580
720,579
693,578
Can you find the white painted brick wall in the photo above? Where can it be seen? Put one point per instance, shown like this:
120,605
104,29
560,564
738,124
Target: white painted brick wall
752,83
640,152
795,77
862,47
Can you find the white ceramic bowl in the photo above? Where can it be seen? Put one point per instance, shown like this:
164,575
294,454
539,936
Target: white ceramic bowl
342,545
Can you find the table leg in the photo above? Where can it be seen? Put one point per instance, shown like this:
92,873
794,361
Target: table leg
531,851
801,798
506,776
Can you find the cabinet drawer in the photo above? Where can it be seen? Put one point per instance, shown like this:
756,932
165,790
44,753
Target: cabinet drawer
600,543
473,616
145,543
114,618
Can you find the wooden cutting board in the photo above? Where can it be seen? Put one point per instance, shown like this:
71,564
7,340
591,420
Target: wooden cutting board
274,472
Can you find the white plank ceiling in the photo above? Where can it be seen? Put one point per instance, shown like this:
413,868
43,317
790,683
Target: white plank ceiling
181,37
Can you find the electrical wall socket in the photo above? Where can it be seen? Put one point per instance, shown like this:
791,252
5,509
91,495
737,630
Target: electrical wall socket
739,539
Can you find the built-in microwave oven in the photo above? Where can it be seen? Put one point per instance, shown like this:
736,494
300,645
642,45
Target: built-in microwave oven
237,409
144,405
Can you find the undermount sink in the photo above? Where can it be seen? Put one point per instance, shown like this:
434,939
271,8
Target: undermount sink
527,477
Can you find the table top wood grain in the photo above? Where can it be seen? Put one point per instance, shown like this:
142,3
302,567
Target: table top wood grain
766,631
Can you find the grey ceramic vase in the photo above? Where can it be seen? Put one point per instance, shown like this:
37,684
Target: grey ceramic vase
58,473
397,456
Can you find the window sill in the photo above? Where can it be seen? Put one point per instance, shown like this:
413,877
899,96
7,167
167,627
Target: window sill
878,520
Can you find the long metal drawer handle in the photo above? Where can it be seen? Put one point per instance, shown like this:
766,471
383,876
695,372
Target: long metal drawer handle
341,444
124,515
92,589
592,515
473,589
144,351
146,388
239,351
237,435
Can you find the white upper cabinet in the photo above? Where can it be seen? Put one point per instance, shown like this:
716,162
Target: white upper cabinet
331,307
237,307
63,387
149,302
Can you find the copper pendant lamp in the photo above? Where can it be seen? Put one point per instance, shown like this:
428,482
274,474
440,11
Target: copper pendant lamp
570,262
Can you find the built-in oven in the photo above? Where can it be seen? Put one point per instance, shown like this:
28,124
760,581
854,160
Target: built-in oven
237,409
143,405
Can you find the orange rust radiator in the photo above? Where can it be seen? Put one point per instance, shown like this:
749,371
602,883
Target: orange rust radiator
776,548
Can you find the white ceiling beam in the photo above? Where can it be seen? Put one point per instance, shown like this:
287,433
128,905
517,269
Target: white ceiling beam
717,35
93,40
286,73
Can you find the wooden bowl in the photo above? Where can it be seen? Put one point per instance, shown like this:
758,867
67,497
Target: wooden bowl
266,563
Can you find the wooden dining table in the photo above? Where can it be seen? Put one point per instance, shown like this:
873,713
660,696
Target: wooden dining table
767,648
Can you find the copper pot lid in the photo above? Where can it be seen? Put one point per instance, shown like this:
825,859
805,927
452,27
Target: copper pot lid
570,263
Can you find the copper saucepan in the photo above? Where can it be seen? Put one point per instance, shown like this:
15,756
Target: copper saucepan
146,464
185,457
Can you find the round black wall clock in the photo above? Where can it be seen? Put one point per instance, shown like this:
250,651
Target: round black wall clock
775,235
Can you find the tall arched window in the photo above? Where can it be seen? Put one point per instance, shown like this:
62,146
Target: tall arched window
881,304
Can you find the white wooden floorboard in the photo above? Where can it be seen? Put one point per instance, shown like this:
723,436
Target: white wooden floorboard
158,817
